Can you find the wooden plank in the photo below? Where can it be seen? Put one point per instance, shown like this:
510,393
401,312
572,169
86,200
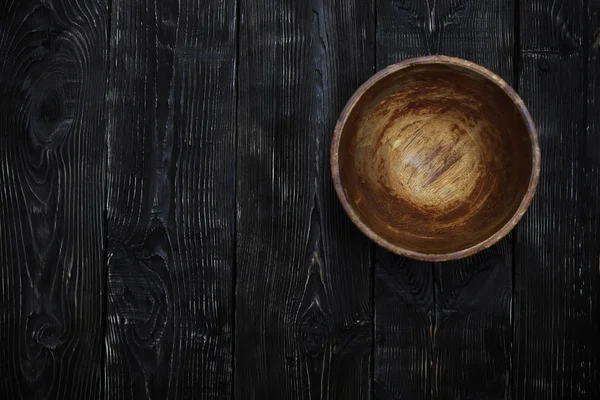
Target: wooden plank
591,190
556,282
303,294
591,193
473,331
404,305
171,199
403,288
52,133
470,336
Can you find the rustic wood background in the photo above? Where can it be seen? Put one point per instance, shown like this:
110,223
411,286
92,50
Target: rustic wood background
169,229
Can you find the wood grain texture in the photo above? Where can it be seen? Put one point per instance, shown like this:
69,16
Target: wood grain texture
591,192
473,331
404,317
465,313
303,294
171,199
403,288
557,256
480,31
52,133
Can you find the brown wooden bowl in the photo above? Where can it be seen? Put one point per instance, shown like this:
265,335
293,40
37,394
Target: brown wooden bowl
435,158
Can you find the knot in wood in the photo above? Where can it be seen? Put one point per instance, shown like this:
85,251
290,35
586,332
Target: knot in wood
314,331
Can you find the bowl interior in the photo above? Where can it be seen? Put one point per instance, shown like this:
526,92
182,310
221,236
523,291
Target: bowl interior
435,158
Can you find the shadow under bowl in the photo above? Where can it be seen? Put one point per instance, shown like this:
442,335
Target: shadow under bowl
435,158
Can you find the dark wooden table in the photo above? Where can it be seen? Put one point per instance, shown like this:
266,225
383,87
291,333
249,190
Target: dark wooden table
169,229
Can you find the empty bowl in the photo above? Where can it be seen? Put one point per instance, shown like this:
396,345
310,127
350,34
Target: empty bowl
435,158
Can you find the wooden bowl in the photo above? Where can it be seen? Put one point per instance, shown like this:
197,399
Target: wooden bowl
435,158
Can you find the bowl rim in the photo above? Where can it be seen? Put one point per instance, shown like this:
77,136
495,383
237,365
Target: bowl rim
477,69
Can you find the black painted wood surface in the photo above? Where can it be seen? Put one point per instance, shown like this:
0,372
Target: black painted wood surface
170,200
52,178
557,303
169,230
303,281
463,317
